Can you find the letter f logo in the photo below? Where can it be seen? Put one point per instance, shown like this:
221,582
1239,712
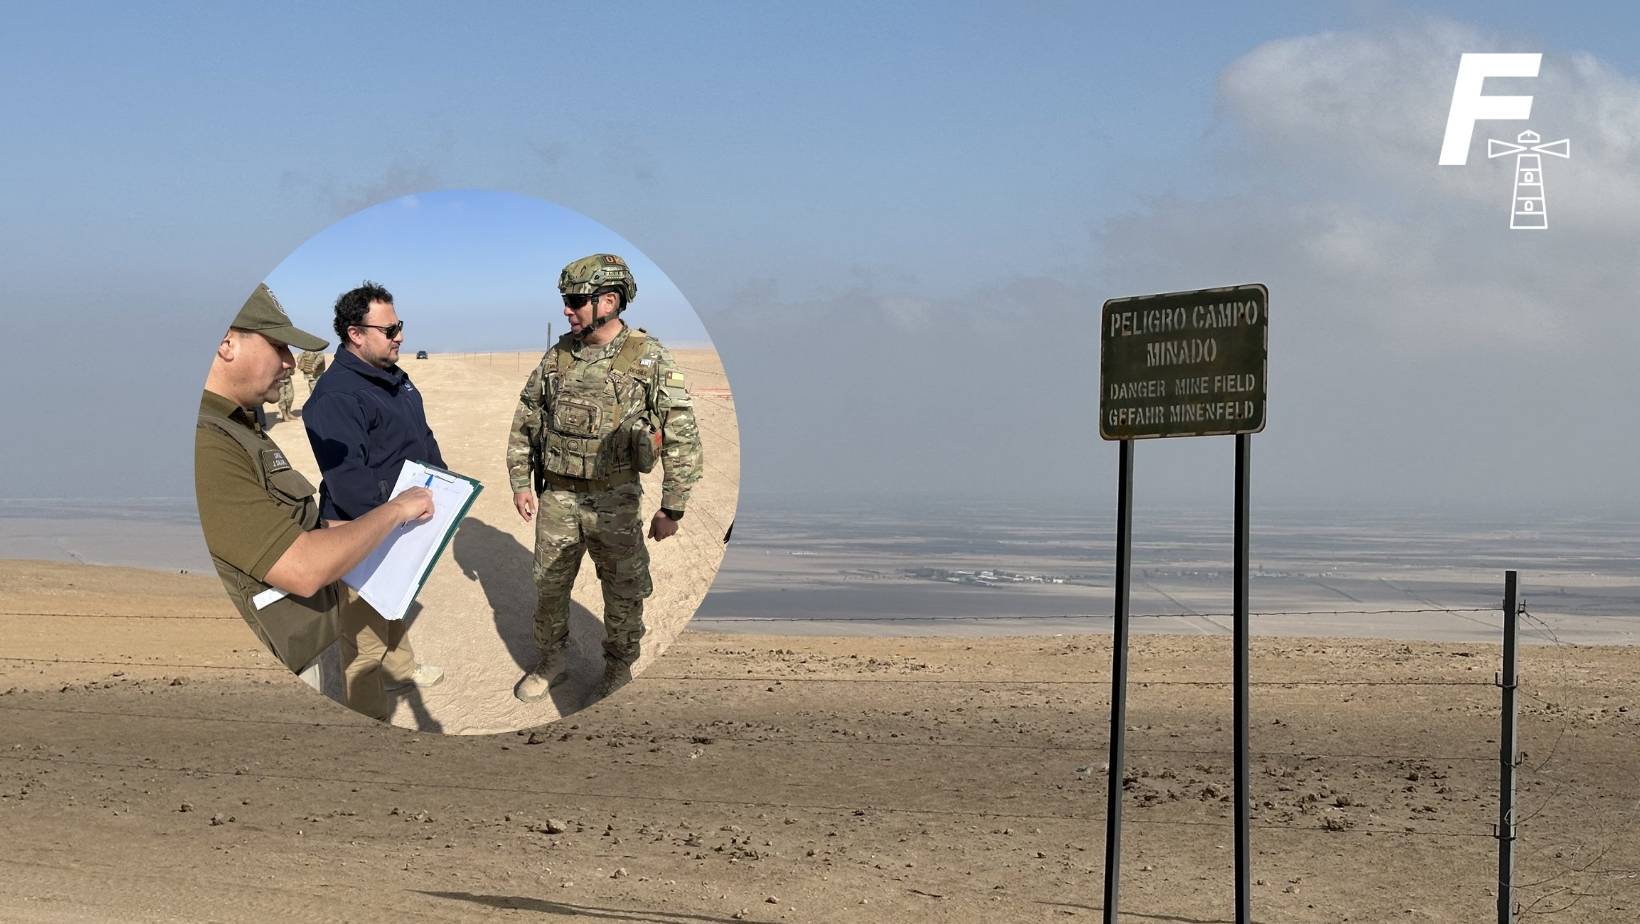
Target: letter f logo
1469,106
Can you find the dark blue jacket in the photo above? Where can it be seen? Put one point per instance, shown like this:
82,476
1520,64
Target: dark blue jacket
363,423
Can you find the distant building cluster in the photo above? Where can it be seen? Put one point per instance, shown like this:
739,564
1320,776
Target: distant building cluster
1219,574
986,578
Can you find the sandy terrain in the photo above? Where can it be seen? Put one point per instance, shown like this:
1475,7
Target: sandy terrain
156,765
474,616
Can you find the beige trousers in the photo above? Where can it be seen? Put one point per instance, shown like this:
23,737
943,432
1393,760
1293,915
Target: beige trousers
375,653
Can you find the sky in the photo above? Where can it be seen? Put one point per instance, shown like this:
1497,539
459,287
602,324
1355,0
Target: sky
897,223
470,270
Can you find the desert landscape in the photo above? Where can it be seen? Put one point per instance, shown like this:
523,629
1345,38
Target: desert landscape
802,753
158,765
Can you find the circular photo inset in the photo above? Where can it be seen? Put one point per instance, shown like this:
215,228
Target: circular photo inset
466,462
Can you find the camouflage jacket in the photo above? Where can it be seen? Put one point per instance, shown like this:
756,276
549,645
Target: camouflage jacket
311,363
653,387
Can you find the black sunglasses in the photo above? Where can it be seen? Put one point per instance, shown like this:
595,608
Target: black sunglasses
574,302
390,331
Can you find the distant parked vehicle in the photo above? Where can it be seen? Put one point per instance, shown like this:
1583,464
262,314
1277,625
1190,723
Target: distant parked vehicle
421,354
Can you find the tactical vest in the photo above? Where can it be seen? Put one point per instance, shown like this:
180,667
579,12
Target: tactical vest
296,629
584,434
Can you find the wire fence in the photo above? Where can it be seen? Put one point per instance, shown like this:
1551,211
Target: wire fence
691,799
1556,769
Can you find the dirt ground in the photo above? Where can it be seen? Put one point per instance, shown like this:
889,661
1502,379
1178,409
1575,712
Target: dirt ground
156,765
474,616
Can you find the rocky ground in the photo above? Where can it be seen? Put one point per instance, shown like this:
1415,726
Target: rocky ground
154,765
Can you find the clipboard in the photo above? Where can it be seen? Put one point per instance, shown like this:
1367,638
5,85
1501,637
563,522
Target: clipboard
391,576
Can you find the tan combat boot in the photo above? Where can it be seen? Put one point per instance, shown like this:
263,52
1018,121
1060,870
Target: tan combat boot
617,674
538,681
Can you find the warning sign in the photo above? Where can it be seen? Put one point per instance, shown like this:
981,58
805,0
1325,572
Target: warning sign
1184,363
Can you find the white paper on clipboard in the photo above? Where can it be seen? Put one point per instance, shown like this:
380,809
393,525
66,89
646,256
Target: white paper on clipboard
389,577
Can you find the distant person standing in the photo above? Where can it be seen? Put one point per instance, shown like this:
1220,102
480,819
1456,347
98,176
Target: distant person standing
287,397
364,420
260,519
312,365
605,402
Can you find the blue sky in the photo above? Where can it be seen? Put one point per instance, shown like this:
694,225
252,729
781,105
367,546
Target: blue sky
895,220
469,270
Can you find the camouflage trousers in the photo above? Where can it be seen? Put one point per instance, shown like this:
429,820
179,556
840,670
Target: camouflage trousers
287,399
312,380
607,525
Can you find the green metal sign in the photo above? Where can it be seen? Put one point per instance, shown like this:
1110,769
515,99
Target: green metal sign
1184,363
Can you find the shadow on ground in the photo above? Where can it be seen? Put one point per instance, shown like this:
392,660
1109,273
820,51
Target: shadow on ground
502,567
1173,918
542,906
325,675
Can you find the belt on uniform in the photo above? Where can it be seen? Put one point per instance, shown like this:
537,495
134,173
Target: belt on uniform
566,483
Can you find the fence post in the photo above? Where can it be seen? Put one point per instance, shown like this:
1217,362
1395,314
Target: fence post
1507,756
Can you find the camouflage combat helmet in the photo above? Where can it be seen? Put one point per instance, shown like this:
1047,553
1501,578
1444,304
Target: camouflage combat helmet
589,274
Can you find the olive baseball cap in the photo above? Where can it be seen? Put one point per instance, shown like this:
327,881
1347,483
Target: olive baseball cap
263,314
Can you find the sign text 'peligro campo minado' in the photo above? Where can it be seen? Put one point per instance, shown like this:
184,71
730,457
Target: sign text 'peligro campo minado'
1184,363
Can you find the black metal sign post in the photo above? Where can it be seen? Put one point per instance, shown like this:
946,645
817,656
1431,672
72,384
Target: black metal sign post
1243,694
1182,364
1118,681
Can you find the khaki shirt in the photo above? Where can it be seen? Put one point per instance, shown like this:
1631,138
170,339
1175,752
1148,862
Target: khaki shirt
251,511
243,525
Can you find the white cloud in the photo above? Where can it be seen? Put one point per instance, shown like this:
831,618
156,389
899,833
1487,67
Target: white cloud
1420,351
1341,132
1374,106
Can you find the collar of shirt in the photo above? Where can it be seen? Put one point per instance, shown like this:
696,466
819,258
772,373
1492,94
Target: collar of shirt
580,350
212,404
392,376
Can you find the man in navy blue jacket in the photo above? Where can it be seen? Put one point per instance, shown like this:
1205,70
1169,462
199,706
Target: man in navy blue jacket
364,419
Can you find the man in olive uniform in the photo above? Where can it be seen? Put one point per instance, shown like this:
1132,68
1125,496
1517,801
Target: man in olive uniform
602,406
260,519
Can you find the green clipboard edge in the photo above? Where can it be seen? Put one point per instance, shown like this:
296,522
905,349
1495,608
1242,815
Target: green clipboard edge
478,488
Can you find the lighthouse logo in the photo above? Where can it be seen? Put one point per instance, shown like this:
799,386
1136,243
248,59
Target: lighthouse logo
1528,204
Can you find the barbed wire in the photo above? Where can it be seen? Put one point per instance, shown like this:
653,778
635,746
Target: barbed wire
766,741
714,738
1546,631
145,664
771,678
605,797
1010,617
997,617
1032,681
115,615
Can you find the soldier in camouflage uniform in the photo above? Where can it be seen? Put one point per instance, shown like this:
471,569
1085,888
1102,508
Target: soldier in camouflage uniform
312,365
604,404
287,398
